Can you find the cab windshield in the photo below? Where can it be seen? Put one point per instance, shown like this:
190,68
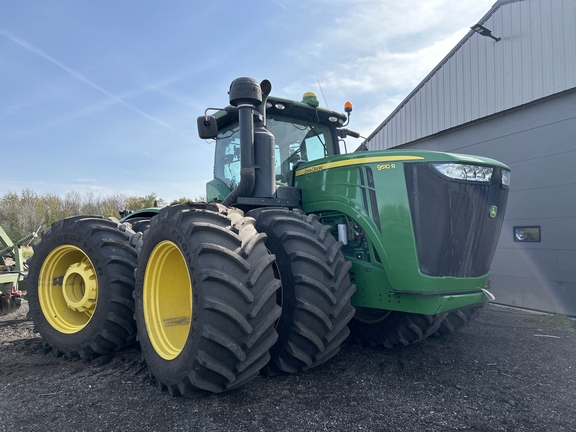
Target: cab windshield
296,141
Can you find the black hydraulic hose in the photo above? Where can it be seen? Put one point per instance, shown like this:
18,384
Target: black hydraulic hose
247,171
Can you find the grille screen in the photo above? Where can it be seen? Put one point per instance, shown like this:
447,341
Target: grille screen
455,235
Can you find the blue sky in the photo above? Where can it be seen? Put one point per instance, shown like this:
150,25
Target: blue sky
102,96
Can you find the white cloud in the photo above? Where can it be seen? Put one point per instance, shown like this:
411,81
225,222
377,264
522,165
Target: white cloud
367,120
375,53
389,70
373,45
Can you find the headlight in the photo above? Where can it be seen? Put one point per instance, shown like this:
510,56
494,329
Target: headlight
464,172
506,178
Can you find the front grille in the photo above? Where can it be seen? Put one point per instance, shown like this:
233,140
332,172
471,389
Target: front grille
455,235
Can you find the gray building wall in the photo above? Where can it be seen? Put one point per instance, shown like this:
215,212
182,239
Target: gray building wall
538,142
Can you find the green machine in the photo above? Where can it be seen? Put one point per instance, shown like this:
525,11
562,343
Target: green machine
12,271
300,244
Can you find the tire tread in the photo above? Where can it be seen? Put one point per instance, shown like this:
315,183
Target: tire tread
316,286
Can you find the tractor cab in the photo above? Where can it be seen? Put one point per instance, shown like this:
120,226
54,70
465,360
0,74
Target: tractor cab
302,132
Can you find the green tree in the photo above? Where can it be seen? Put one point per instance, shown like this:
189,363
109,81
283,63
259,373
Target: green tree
137,203
18,213
22,213
183,200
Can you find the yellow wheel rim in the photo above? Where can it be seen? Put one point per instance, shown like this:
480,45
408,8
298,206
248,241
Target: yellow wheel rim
68,289
167,300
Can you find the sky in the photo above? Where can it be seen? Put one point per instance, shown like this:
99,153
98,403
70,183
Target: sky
102,96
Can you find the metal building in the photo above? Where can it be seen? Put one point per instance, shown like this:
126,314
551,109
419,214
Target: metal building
511,95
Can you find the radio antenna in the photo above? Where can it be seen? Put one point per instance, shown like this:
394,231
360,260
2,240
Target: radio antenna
322,91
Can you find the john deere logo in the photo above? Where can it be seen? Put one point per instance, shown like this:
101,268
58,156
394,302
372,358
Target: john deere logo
493,211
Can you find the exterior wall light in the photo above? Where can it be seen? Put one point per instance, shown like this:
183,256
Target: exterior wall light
481,30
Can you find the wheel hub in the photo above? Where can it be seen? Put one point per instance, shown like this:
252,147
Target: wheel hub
68,289
79,287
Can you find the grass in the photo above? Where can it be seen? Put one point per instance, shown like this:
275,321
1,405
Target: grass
561,322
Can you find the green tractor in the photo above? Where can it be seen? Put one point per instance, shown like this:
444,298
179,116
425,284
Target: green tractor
298,244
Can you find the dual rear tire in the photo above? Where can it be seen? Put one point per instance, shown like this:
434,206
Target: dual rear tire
220,296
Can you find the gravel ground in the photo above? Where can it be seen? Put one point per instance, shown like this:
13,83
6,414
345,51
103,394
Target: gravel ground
508,370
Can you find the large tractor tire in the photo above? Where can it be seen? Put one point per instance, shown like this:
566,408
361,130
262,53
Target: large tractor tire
316,289
205,299
139,224
457,319
80,286
392,328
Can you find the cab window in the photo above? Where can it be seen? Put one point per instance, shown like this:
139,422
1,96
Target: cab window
227,163
298,142
295,141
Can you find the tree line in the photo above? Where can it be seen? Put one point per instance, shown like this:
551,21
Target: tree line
23,213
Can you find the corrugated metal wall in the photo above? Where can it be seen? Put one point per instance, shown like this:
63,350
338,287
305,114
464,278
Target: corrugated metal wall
480,77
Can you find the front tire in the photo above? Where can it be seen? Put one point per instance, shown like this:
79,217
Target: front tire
316,289
392,328
205,299
457,319
80,284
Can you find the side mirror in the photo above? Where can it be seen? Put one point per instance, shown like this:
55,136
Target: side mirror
207,127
